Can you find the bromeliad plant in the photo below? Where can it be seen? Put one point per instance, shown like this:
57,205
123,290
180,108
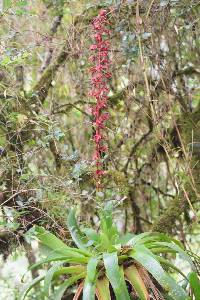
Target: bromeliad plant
107,266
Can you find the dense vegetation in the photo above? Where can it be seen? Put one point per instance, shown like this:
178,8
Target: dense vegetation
151,167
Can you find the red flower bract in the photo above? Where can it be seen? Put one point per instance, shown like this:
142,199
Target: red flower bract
99,86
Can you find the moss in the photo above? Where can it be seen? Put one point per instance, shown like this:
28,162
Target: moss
166,222
190,133
40,91
119,179
189,126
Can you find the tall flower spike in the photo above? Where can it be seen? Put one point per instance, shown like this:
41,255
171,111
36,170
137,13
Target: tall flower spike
100,74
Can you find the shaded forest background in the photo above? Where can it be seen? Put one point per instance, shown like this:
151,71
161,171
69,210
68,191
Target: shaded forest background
153,133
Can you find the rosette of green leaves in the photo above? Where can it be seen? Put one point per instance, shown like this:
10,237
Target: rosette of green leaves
104,260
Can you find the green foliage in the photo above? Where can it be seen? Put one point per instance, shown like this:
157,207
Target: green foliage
195,284
106,254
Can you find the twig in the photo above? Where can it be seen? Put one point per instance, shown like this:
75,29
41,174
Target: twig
49,53
134,148
16,194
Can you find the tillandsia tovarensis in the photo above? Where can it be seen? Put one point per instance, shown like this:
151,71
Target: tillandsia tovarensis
100,74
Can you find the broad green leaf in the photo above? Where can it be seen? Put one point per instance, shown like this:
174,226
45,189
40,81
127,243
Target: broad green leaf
195,285
57,270
51,258
106,215
103,290
148,261
148,239
51,241
109,240
133,276
159,250
89,285
164,238
92,235
106,223
179,250
124,239
105,242
135,239
62,288
77,269
109,235
57,257
49,276
167,263
115,277
78,237
92,268
30,286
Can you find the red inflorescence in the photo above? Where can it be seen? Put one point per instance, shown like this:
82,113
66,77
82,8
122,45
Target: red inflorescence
99,85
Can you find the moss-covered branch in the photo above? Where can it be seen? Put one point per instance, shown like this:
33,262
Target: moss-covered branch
167,220
189,125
